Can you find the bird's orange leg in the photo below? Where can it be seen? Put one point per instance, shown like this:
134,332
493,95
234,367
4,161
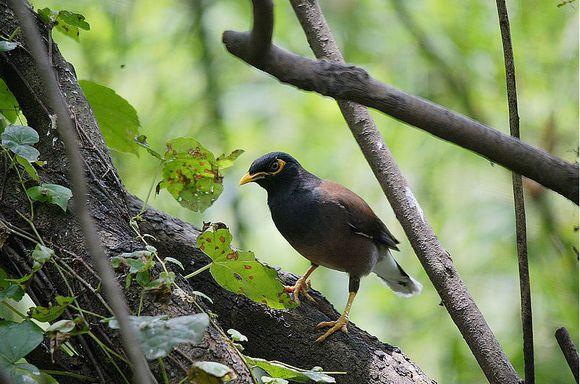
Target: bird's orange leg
337,324
301,285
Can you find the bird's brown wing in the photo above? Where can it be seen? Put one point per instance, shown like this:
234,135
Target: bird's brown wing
361,218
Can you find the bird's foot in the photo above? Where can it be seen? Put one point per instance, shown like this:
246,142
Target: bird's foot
301,286
334,326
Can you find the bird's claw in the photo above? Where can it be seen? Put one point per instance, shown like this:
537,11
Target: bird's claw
334,326
300,287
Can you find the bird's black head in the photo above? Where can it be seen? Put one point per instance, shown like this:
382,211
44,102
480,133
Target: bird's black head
273,171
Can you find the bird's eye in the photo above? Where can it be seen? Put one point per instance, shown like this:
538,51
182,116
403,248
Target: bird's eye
274,166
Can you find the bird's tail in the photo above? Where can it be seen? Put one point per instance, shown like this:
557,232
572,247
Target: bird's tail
394,276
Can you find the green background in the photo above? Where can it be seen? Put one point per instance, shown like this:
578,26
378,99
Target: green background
167,59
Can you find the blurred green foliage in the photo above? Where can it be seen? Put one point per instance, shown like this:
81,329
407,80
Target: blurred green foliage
167,59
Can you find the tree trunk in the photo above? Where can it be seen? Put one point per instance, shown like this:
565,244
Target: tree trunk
278,335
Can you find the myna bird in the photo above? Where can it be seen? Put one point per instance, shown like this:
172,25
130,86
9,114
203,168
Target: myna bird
329,225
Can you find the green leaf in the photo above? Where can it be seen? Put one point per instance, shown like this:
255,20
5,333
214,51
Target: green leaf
141,140
8,103
201,294
41,255
284,371
227,161
257,374
12,291
236,335
174,261
18,340
190,174
74,19
136,265
28,167
66,22
165,279
199,369
9,290
138,261
240,272
117,118
45,378
19,139
273,380
53,311
22,373
50,193
6,46
159,334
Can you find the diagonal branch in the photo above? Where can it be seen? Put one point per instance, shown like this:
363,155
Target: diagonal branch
518,190
432,255
569,350
78,182
347,82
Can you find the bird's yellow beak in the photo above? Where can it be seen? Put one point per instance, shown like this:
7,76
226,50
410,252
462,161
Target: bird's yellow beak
247,178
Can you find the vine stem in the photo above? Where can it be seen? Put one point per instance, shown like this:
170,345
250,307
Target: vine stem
10,307
106,348
197,272
163,371
141,296
31,226
69,374
144,207
18,232
21,181
133,224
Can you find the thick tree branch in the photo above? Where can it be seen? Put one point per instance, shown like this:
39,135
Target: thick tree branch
432,255
284,335
518,190
78,181
347,82
569,350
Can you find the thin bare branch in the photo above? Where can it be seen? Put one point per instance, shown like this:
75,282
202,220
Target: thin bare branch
347,82
569,350
518,190
432,255
66,132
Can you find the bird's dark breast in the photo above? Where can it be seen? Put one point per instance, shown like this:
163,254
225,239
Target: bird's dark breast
319,231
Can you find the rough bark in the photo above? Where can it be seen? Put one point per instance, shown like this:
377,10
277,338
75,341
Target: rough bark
347,82
283,335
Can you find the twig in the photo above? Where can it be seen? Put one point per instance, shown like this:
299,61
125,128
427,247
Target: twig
347,82
569,350
434,258
78,183
518,190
